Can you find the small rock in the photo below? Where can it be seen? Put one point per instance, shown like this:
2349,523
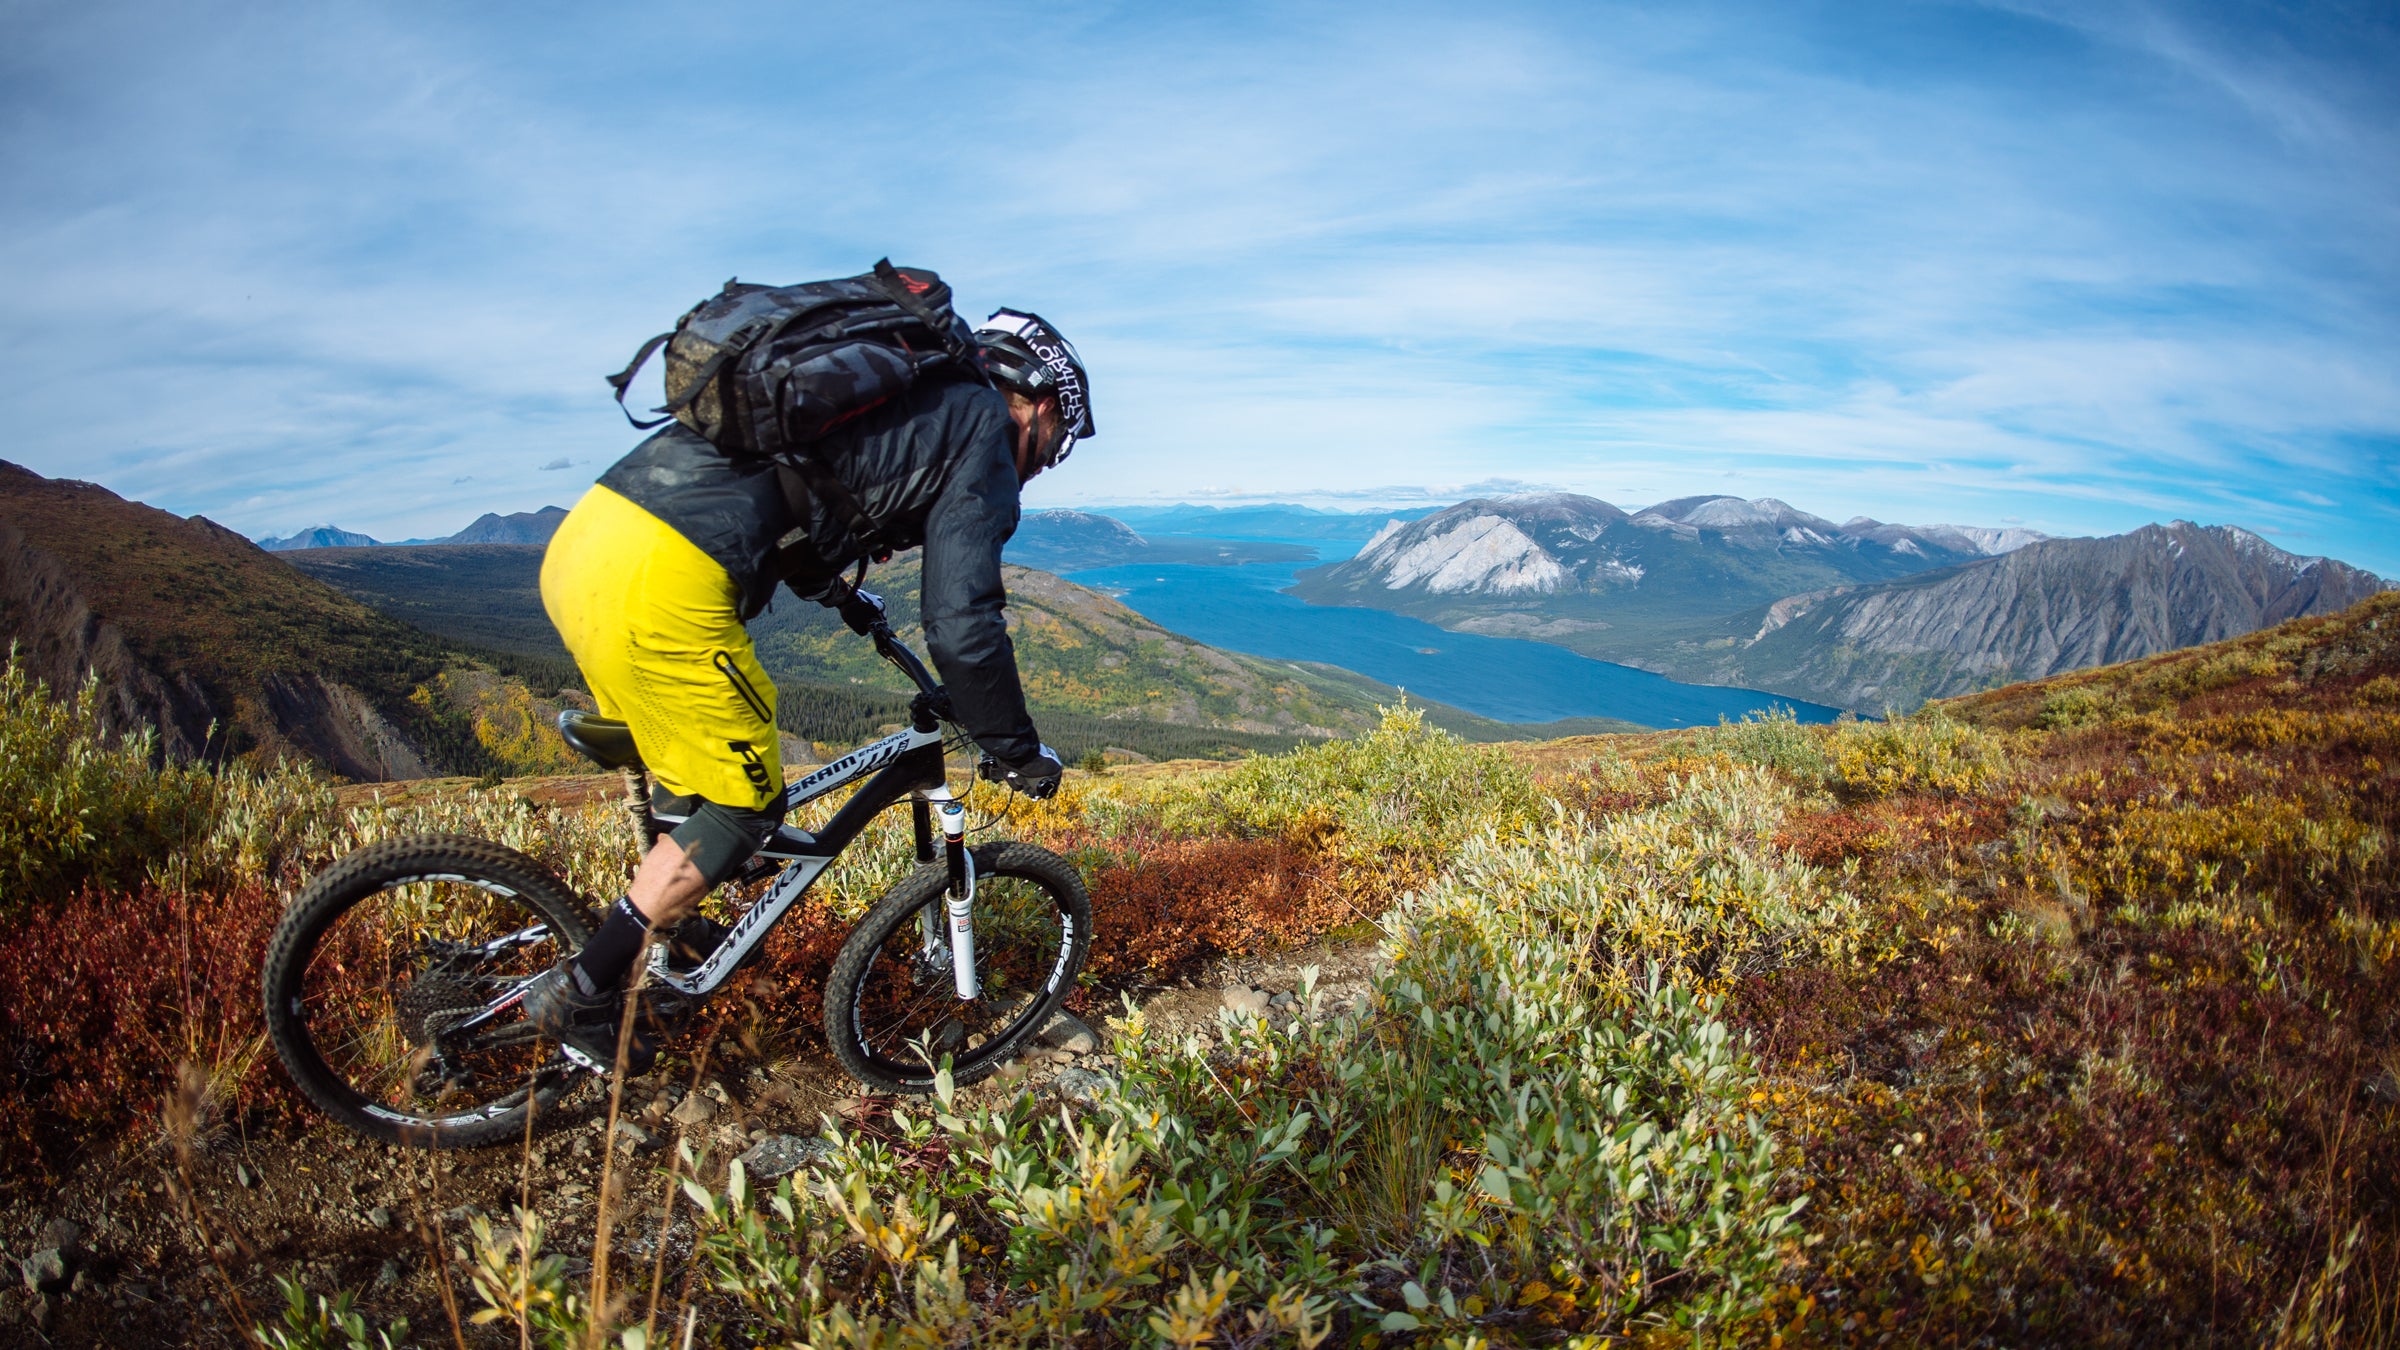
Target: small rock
583,1146
64,1234
243,1176
388,1276
39,1310
81,1282
715,1092
781,1154
1282,1000
45,1270
463,1214
641,1139
1067,1032
1083,1085
696,1109
1245,1001
379,1217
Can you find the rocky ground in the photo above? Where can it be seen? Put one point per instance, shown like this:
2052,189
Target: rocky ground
143,1247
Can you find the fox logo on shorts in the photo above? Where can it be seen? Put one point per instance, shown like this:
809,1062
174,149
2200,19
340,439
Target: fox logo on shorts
753,768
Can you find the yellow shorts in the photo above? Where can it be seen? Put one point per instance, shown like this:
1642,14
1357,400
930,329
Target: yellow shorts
656,626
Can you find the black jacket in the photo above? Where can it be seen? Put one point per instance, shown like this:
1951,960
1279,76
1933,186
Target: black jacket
934,467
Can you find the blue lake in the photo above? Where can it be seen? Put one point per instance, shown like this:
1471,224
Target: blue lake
1243,608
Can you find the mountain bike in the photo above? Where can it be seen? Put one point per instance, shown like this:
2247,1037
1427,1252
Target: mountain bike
393,984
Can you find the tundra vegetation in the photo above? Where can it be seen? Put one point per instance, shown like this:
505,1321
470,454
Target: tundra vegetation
2062,1015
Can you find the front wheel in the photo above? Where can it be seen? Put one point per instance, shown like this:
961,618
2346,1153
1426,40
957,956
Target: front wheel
391,989
892,1008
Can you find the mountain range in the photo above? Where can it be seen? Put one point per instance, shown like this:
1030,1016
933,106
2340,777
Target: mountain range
2049,607
1863,614
521,527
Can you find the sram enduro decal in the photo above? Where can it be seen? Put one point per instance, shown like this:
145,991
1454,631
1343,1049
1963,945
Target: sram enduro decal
858,763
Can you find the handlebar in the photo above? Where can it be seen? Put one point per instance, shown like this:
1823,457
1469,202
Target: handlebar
932,702
892,649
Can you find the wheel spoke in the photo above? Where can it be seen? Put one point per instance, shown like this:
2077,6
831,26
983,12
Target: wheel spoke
897,1005
397,968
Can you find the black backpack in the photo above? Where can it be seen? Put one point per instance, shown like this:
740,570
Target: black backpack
765,370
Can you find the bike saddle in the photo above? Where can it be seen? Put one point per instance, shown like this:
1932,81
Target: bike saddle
605,741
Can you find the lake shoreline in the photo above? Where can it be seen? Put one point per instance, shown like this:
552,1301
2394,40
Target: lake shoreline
1250,608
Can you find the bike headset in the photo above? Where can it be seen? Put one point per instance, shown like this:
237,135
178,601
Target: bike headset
1025,355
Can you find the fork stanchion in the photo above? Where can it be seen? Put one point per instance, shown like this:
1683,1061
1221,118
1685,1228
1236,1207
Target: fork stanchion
961,902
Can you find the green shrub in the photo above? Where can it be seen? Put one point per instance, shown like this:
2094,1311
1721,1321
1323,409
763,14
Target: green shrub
1405,788
1773,739
1695,886
1924,752
2080,705
80,805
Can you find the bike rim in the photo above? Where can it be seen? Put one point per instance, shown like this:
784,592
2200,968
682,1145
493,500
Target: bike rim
907,1008
391,979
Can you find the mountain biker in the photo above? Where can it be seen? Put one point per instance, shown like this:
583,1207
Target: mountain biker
652,576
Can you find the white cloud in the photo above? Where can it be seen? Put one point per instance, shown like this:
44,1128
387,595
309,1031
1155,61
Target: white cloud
2134,262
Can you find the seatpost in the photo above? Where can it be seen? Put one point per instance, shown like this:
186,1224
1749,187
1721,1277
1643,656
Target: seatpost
637,809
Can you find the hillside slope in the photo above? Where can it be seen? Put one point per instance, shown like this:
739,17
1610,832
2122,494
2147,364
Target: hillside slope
2053,606
195,630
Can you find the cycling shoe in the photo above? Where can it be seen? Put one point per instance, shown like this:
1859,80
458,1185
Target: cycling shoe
586,1025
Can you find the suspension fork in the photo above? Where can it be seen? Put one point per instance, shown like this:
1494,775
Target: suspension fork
960,897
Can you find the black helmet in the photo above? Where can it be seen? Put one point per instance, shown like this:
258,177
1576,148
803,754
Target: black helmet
1024,354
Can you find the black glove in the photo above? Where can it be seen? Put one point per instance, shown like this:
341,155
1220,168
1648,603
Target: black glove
862,610
1037,778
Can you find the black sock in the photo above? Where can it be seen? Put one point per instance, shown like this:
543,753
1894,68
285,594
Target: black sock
604,960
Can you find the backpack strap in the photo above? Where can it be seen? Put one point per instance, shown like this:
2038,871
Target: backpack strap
914,304
822,484
624,377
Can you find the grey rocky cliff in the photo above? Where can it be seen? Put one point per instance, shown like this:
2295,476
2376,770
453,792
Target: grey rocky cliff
2053,606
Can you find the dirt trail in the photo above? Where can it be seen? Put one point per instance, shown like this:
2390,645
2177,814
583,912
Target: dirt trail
110,1258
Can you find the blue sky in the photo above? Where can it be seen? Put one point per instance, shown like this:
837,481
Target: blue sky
2075,266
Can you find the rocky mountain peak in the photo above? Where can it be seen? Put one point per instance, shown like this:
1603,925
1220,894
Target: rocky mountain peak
1084,526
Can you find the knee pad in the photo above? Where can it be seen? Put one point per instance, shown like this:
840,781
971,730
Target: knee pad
718,839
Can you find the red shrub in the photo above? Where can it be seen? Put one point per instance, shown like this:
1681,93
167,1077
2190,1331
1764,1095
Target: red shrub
95,1019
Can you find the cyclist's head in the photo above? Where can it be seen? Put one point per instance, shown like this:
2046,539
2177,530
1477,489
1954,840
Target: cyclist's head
1026,357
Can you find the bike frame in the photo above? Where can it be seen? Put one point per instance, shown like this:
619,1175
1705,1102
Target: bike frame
906,765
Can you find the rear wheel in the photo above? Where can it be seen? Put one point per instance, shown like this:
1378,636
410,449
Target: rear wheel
382,980
892,1002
